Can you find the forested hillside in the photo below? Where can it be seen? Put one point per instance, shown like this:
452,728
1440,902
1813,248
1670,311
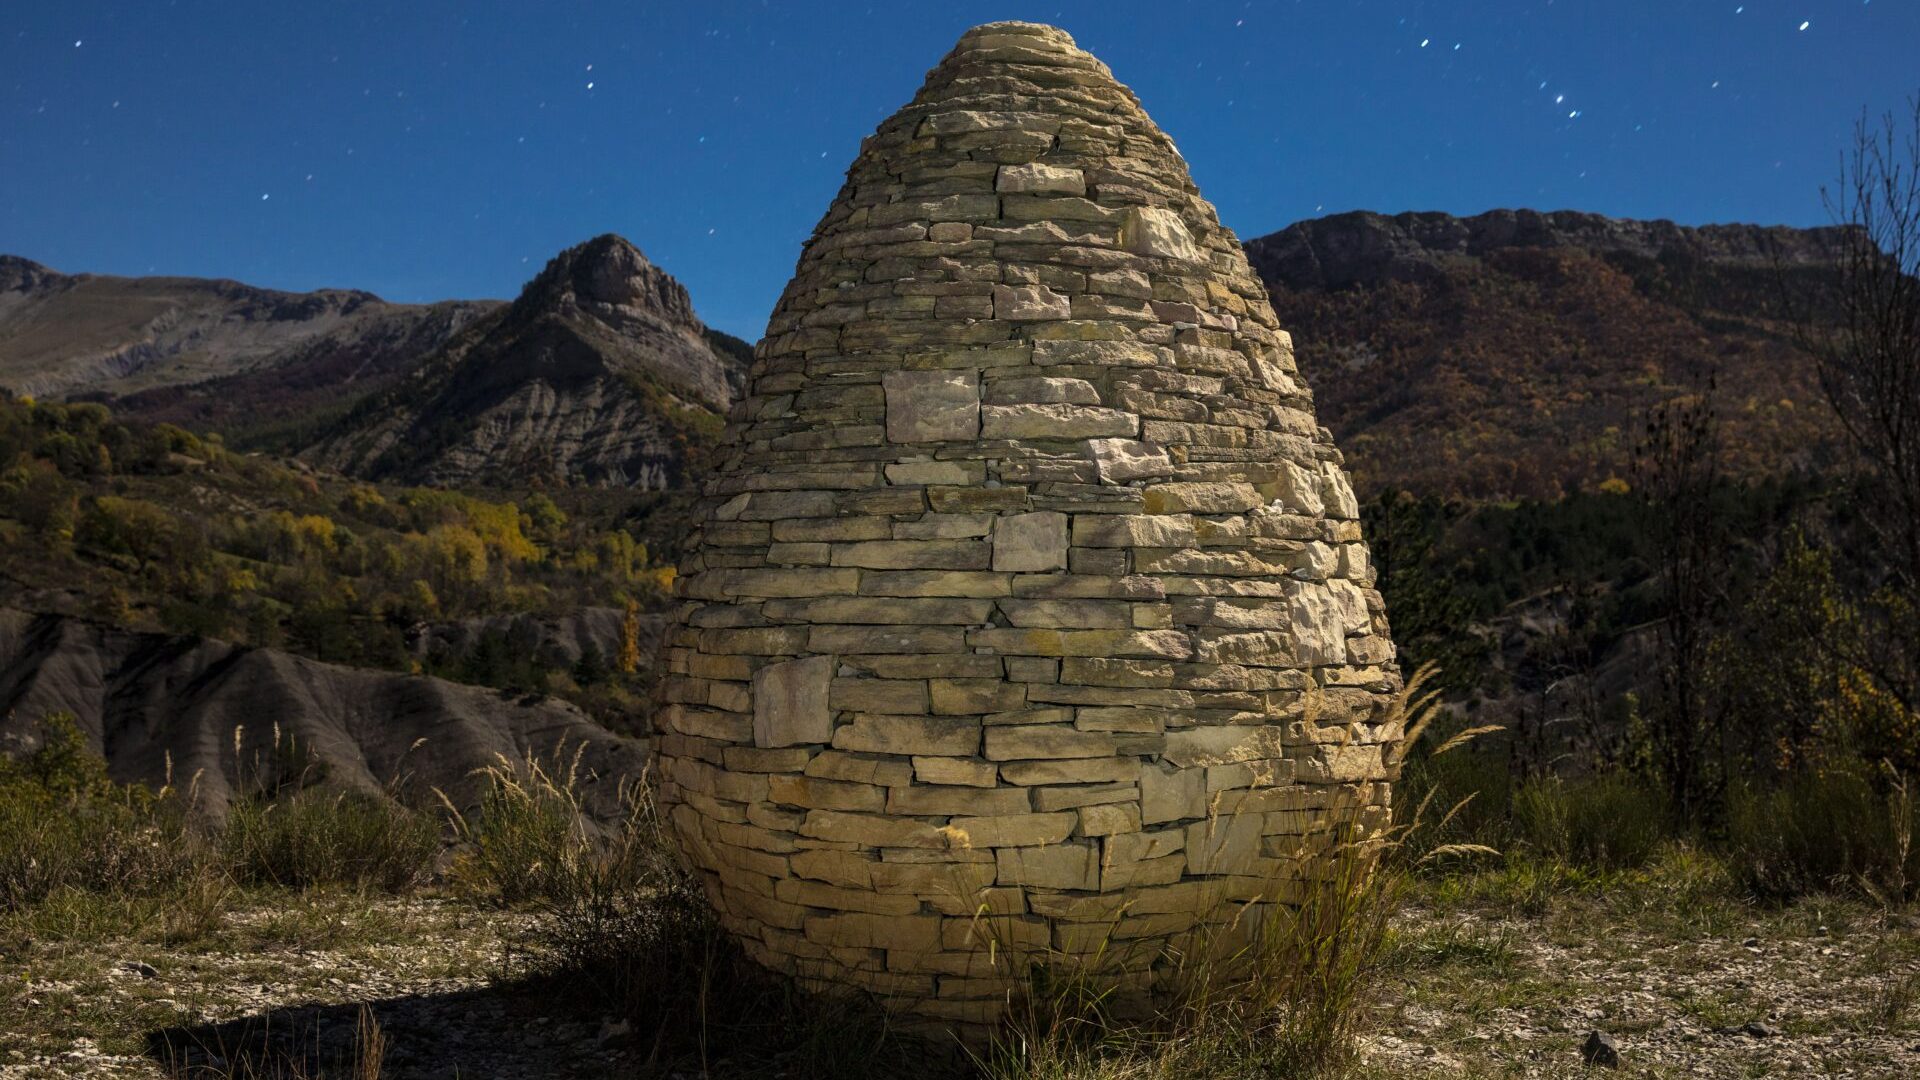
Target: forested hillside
1516,354
149,526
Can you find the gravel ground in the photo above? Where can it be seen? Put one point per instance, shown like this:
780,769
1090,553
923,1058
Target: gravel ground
292,992
1809,991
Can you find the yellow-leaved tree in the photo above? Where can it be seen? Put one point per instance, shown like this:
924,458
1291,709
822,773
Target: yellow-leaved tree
630,639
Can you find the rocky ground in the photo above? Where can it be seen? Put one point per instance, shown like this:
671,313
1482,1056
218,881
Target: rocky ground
295,987
292,986
1817,990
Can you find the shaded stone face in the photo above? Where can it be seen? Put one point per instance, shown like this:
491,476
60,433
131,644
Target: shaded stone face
1031,620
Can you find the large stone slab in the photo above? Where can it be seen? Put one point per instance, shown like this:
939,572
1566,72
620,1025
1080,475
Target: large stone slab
931,406
1030,542
1055,421
1040,179
1153,230
790,702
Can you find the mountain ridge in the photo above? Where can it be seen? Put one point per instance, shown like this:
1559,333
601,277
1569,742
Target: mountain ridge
1506,354
1359,246
104,335
599,372
1516,354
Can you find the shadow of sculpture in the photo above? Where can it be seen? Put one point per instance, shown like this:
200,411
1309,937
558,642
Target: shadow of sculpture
536,1027
507,1031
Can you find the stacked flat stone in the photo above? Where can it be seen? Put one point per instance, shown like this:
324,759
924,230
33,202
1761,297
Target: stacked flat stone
1031,618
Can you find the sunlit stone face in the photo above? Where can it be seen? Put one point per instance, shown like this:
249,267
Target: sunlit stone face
1031,620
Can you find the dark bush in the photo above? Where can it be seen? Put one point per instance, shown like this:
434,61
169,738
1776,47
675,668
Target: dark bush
1613,821
1825,831
318,837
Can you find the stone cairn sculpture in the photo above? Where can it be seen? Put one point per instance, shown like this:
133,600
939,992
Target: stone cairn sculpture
1030,620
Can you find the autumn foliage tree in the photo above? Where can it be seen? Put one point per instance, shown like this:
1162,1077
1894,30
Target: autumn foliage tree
151,526
1866,338
629,661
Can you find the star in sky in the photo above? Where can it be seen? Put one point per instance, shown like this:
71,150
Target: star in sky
642,139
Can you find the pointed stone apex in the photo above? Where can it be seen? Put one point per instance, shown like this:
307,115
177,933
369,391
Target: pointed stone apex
1022,43
1029,34
1017,28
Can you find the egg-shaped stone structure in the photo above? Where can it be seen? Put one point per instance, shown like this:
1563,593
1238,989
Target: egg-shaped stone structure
1030,619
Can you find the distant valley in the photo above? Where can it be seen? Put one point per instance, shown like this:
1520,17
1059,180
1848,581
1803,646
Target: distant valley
364,524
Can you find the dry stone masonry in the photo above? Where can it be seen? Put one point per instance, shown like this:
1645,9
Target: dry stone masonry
1031,620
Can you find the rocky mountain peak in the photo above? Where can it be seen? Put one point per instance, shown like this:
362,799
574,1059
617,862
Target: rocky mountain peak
610,278
599,373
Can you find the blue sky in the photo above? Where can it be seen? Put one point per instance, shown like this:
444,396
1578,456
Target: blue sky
432,149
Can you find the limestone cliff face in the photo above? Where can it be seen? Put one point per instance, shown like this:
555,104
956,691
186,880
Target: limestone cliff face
1366,248
147,701
1031,618
599,373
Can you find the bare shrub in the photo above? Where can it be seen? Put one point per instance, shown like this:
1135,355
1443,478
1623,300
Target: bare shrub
1832,831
